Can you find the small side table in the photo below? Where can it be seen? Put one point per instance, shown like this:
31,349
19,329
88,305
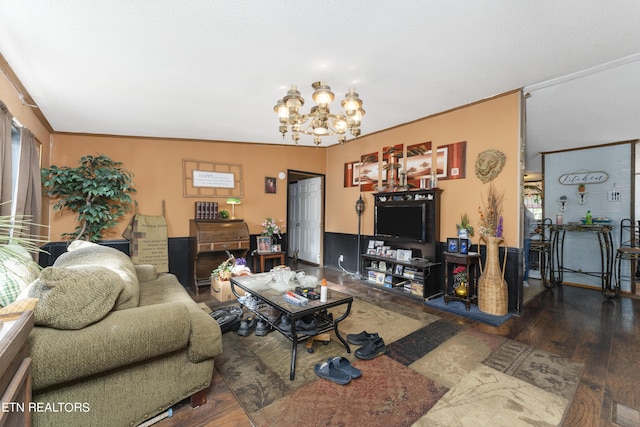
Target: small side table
15,365
468,260
263,256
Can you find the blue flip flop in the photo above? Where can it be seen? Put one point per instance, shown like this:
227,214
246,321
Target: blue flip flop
343,364
329,371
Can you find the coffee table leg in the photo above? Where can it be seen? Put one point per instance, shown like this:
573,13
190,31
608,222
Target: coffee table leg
335,328
292,372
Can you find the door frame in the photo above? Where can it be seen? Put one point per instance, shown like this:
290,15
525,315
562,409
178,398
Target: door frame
294,176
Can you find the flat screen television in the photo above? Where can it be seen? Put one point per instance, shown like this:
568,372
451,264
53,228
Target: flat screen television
402,222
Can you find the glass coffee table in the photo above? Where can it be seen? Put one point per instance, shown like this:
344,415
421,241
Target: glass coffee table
262,286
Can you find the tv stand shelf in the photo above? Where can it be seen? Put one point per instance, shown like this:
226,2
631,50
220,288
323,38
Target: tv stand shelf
418,280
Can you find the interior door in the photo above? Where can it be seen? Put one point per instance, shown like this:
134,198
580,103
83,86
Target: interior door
309,223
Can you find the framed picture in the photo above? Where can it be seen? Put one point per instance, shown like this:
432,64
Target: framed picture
404,255
264,244
270,185
465,244
453,244
351,179
398,269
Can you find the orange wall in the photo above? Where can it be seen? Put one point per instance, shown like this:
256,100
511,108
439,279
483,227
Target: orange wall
493,123
157,168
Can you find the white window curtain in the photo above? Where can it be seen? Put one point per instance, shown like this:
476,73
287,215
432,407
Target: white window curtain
5,160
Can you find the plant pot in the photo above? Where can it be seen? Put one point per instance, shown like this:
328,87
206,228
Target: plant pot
492,288
463,233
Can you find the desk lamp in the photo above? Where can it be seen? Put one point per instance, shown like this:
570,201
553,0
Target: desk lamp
233,201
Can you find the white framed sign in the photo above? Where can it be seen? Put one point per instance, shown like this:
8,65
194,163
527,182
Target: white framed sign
213,179
583,177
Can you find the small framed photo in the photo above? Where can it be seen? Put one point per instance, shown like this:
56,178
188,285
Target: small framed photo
264,244
398,269
453,244
404,255
465,244
270,185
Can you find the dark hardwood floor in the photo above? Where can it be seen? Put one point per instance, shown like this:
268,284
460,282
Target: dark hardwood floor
569,321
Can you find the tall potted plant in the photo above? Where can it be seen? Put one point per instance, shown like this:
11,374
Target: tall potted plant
98,191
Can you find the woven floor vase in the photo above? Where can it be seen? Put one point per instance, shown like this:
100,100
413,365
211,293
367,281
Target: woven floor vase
493,295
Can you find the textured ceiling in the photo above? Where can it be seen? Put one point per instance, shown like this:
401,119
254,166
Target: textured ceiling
214,70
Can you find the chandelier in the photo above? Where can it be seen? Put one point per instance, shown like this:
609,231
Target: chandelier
319,122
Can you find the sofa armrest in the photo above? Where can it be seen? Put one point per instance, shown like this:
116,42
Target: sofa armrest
122,338
146,272
205,341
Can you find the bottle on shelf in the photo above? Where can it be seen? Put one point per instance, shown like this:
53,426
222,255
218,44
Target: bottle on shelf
588,218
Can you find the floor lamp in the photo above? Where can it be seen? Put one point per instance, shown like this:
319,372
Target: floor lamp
359,210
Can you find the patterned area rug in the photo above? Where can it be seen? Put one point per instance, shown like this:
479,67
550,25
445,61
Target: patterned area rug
434,373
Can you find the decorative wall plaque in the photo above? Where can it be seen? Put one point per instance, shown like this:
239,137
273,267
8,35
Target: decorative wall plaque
489,164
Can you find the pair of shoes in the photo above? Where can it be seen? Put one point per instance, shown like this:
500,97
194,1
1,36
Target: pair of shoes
228,318
271,313
329,371
262,328
362,338
371,349
246,326
343,364
251,302
525,284
308,326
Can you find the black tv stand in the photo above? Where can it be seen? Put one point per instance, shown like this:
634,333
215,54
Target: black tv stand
408,275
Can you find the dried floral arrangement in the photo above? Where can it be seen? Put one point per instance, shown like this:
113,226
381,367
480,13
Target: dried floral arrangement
491,213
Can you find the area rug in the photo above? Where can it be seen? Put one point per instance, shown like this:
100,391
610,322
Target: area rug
434,373
458,307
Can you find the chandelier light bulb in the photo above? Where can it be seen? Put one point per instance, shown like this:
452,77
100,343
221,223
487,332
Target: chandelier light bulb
323,94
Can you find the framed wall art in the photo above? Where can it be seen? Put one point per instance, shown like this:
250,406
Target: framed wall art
351,177
368,172
270,185
418,164
454,164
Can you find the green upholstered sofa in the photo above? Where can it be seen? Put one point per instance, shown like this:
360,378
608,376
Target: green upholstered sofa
115,343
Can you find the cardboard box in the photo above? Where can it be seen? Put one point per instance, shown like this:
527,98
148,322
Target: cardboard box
221,290
417,289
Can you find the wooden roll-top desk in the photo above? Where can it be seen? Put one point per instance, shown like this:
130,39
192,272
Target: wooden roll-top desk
210,242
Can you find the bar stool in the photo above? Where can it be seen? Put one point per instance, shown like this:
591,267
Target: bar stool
629,249
543,247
